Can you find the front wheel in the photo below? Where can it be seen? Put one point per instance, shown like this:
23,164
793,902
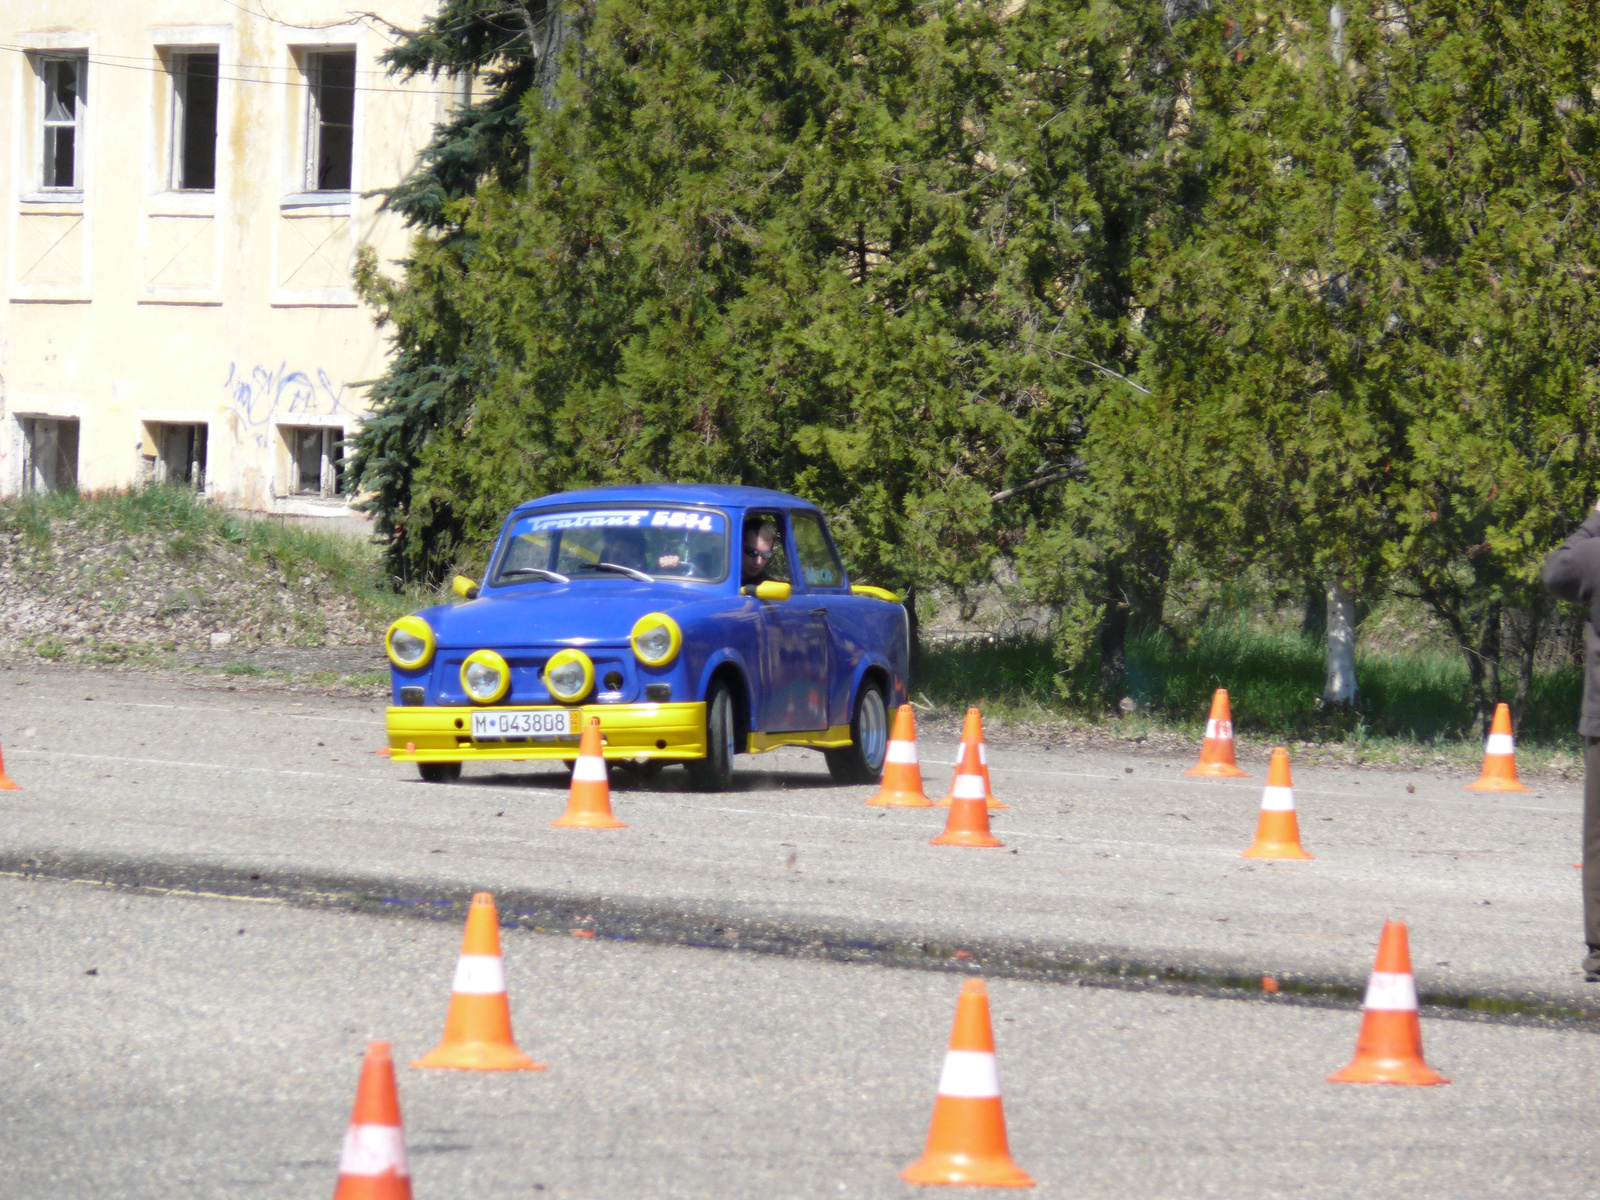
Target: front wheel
862,760
714,772
439,772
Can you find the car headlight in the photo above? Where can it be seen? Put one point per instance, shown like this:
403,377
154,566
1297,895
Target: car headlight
409,643
569,675
656,639
485,676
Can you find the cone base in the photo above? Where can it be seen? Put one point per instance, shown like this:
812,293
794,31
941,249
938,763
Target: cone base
900,800
997,1171
1277,850
479,1056
587,820
373,1187
1218,771
964,837
7,786
1485,784
1413,1072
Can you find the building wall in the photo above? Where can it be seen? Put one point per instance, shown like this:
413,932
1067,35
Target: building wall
134,306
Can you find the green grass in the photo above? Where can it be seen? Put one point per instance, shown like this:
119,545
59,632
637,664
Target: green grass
187,522
1273,683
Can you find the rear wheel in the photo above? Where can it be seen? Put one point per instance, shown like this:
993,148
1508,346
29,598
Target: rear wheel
714,772
862,760
439,772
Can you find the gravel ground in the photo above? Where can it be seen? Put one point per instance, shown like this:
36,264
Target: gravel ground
158,594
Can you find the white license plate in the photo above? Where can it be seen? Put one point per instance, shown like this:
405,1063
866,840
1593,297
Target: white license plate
536,725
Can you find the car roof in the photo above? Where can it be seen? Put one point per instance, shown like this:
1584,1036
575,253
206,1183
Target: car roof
723,494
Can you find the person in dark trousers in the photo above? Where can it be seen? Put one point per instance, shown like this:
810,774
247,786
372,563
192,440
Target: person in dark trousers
1572,572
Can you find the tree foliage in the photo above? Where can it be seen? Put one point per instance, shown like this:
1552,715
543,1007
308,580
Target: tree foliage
1083,285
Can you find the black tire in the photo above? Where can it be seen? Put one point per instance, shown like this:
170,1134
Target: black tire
714,772
439,772
862,760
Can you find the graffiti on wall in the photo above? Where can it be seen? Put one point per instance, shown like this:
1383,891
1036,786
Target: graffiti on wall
261,394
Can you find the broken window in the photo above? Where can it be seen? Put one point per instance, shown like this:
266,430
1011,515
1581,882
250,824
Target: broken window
49,454
176,454
316,461
330,120
194,120
63,79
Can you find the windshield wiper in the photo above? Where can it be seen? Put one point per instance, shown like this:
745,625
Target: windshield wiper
618,568
552,576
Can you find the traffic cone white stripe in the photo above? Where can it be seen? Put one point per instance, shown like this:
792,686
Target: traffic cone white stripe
970,1074
902,752
1219,729
983,754
479,975
589,770
374,1150
1387,992
1277,799
1500,743
969,787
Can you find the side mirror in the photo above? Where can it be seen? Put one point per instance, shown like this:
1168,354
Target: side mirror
768,590
466,588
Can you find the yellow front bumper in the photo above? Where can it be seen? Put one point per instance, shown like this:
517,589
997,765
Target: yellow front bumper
665,731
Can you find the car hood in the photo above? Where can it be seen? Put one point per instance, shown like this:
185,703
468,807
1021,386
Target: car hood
597,611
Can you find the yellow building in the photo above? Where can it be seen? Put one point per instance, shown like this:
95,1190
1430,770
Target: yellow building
186,183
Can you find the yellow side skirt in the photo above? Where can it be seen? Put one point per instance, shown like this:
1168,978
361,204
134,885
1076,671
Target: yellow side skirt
835,738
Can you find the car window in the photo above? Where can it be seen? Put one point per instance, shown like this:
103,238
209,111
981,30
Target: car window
761,530
819,565
666,543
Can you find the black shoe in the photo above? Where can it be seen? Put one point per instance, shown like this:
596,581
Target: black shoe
1591,976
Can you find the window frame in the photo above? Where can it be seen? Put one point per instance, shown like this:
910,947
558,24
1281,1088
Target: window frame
313,61
781,552
332,477
810,514
43,62
180,112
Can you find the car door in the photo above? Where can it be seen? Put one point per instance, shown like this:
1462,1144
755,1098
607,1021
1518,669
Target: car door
795,665
824,591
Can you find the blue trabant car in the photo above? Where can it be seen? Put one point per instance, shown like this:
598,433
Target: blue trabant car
696,622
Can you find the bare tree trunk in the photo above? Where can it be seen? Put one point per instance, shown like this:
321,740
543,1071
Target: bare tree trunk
914,628
1485,664
1340,689
1529,647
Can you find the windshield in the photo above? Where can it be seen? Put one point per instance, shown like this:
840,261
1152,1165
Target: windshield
618,542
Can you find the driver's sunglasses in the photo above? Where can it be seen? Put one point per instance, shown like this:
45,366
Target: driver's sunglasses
763,555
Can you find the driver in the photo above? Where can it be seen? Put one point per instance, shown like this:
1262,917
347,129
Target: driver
760,543
629,548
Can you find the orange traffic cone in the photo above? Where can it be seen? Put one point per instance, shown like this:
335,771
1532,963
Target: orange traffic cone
589,800
1499,757
1216,752
1277,829
967,1139
477,1029
902,777
5,784
1389,1047
372,1165
968,823
972,731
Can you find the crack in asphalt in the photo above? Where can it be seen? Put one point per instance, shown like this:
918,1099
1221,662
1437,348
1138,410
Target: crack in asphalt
704,927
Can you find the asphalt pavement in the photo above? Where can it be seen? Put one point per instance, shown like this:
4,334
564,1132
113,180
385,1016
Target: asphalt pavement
155,1047
1114,863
